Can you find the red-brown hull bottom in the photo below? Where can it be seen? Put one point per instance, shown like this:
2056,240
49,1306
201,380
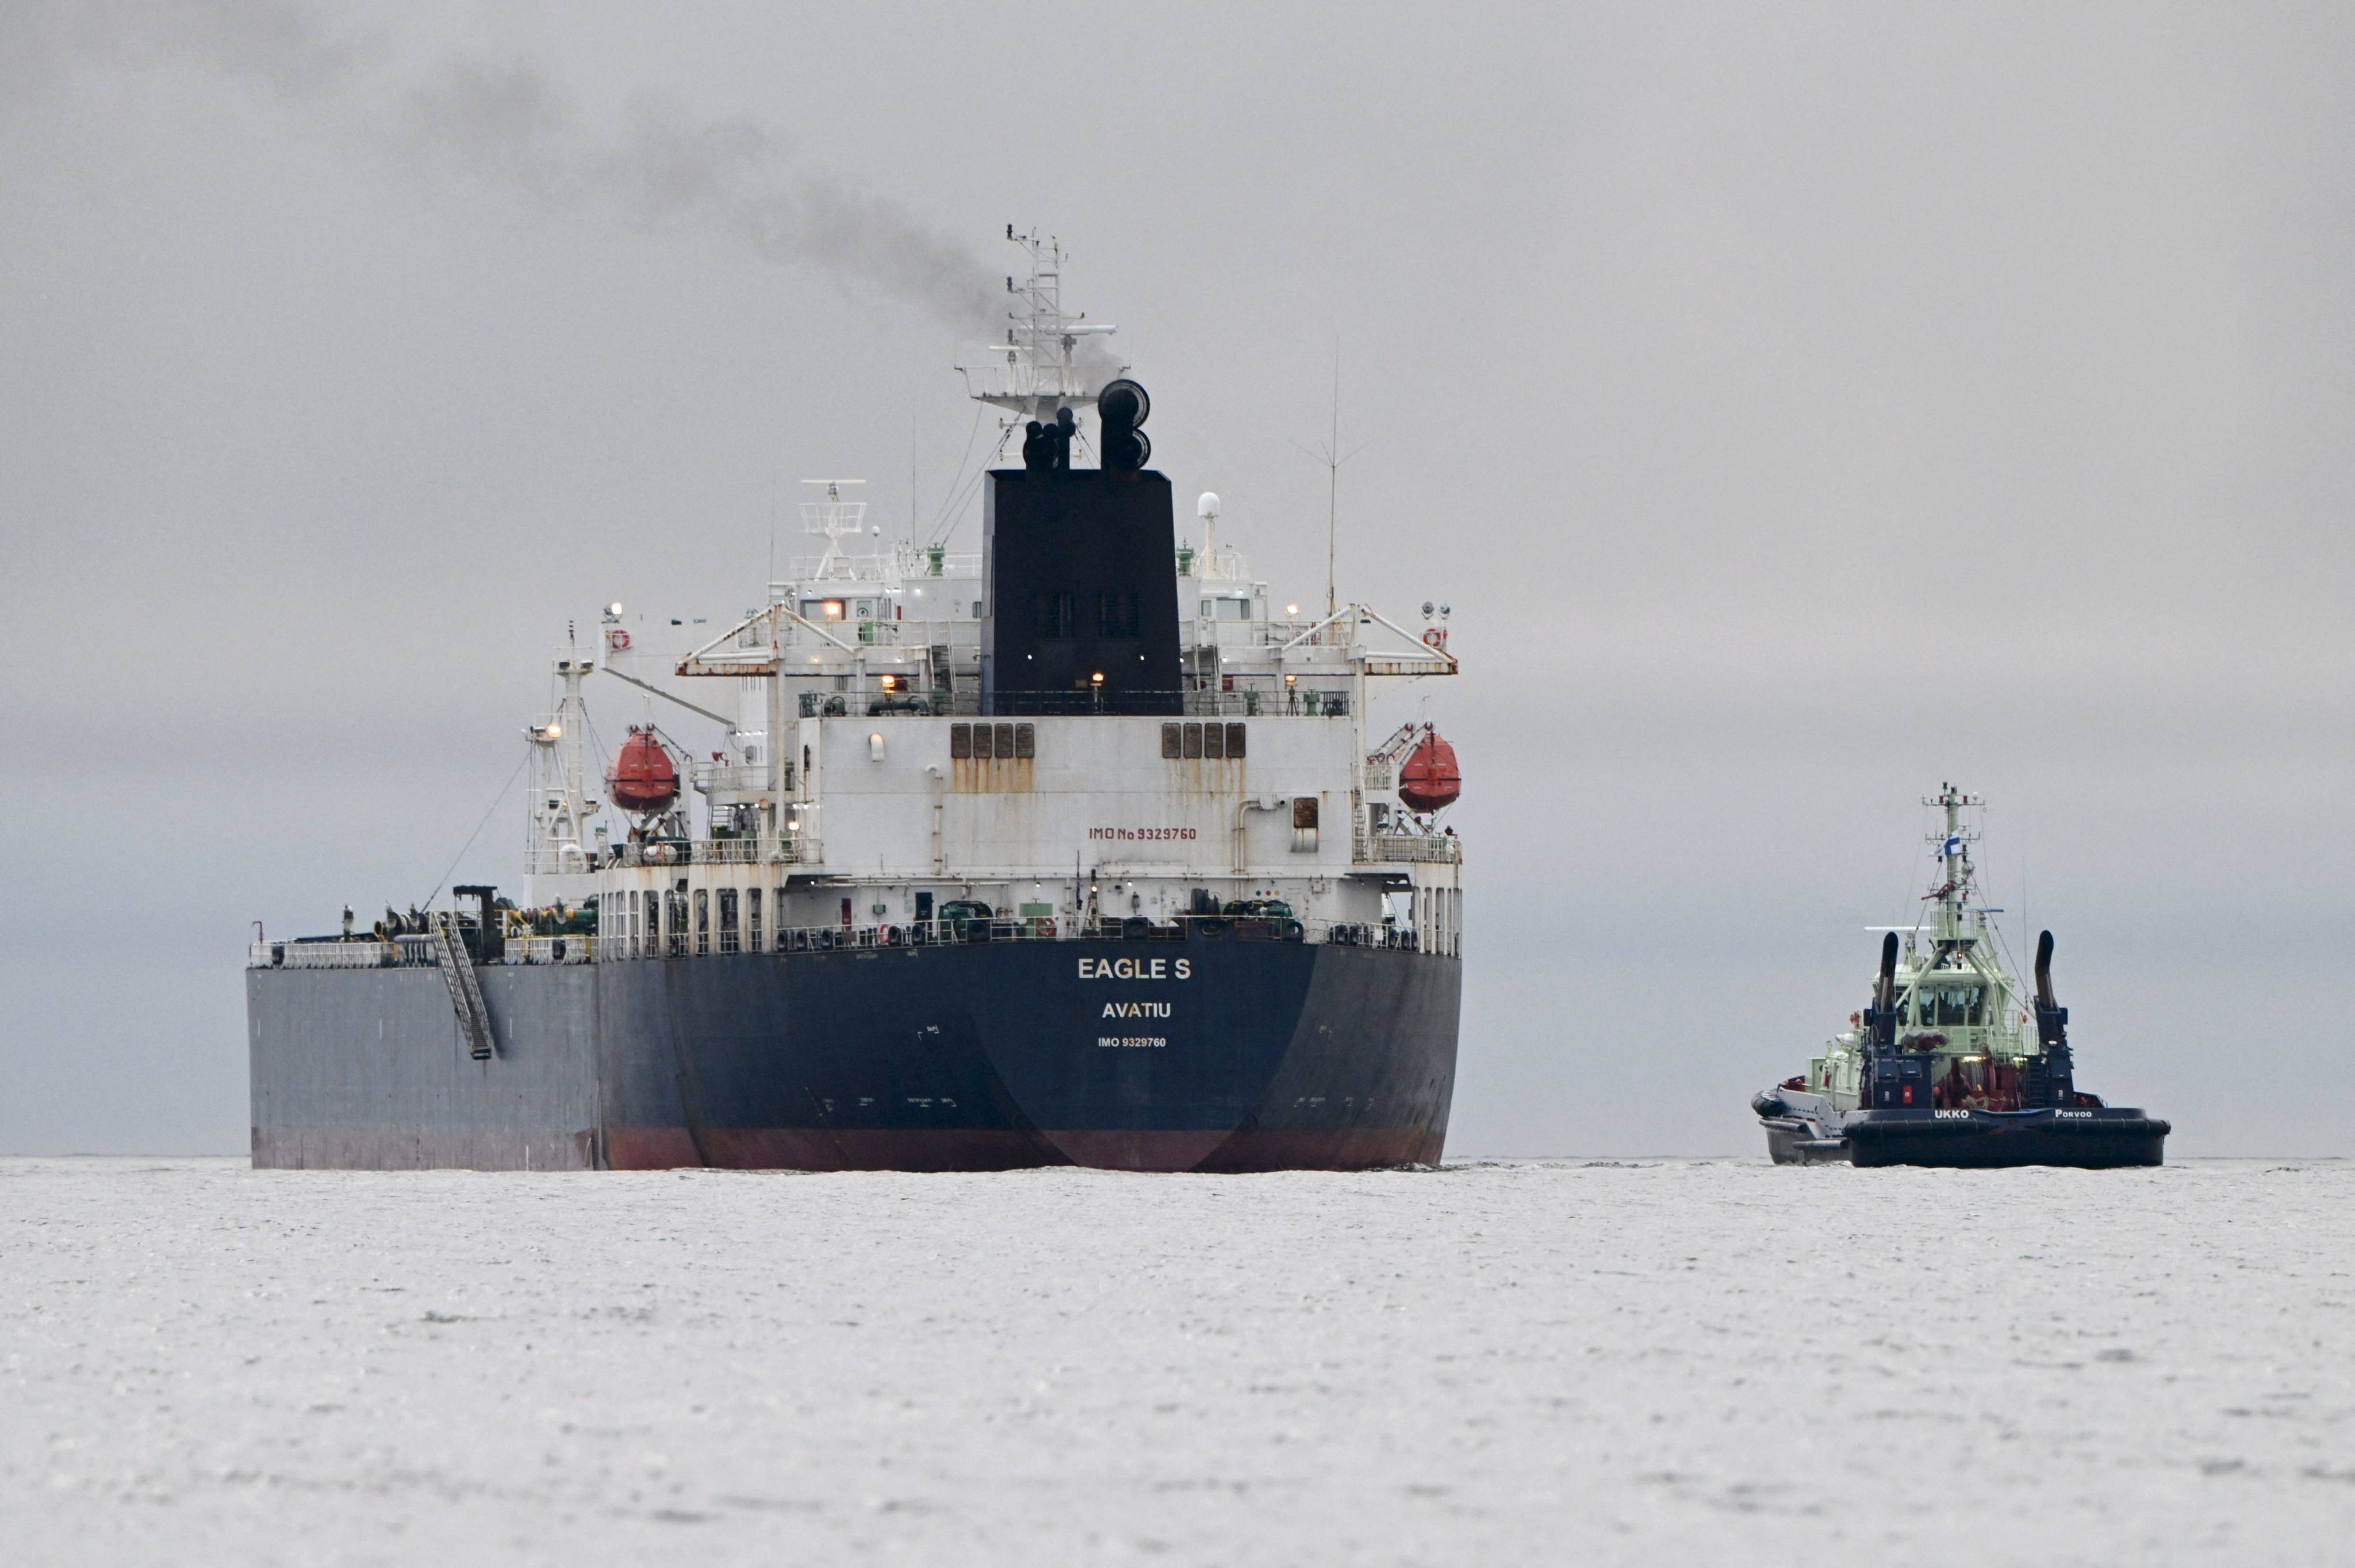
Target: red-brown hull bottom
773,1148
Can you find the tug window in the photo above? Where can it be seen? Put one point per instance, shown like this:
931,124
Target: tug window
1952,1007
1214,741
1234,742
1025,740
1172,739
1006,741
675,923
960,741
1193,740
702,921
729,931
981,742
751,920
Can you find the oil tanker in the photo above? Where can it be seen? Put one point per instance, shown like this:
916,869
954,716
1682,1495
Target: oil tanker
1079,850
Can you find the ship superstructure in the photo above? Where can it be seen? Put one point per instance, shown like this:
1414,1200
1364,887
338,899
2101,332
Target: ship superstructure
1078,849
1951,1062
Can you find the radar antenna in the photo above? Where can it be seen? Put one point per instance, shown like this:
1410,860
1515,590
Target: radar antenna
836,519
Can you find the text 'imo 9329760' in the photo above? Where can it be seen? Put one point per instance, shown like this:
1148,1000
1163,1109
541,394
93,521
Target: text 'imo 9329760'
1079,850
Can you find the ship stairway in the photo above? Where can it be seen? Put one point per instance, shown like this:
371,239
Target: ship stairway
465,991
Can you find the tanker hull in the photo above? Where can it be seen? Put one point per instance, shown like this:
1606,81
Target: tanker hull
1213,1055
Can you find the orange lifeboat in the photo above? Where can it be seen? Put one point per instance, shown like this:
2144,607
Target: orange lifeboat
1429,781
643,778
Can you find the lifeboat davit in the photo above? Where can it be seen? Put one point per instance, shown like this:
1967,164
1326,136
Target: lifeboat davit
643,778
1429,780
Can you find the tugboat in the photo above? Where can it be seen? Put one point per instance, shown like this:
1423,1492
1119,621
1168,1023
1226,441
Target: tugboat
1940,1067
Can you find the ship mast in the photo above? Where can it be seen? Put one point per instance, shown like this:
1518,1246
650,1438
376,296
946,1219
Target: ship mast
1954,889
835,519
1037,369
556,858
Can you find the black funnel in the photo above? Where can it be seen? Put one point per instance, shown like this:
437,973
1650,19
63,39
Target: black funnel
1881,1019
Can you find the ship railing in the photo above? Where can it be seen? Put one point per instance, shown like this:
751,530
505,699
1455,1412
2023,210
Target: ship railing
407,951
700,852
944,931
904,564
1391,848
572,948
874,632
325,954
1269,701
731,778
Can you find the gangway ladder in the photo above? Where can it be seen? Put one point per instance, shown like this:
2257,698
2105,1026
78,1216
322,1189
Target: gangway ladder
465,991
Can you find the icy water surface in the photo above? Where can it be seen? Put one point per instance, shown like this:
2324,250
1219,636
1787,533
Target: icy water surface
1675,1363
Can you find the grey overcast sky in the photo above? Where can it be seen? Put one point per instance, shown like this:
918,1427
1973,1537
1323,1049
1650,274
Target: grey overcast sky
1799,406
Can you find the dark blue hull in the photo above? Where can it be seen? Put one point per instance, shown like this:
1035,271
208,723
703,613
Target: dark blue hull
2092,1139
1200,1055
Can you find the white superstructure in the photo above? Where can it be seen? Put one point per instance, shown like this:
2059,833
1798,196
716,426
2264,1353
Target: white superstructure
860,786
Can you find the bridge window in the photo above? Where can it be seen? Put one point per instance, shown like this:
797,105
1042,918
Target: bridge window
1026,740
730,934
960,741
1234,743
702,921
1173,738
751,920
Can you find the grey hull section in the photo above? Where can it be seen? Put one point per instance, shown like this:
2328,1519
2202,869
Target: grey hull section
365,1069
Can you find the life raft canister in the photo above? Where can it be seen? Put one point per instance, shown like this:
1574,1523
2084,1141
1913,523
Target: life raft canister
1430,780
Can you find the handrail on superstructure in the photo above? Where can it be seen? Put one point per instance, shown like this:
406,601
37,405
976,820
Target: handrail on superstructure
771,615
1365,613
